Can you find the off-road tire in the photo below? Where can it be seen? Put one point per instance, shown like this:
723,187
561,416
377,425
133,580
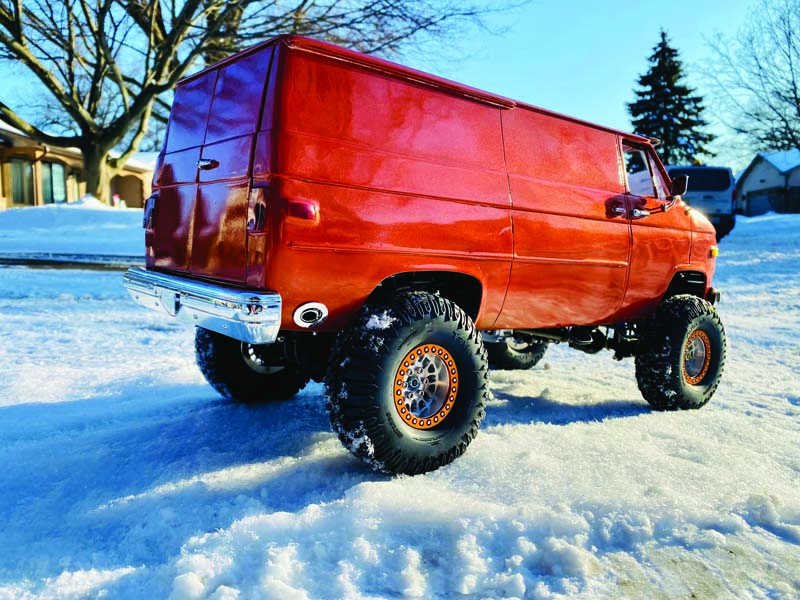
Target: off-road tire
724,227
681,329
222,361
513,356
365,398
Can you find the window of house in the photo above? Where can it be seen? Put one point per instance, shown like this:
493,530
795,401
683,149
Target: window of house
74,183
21,181
54,187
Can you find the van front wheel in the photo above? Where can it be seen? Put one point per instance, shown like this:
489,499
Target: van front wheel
681,354
407,384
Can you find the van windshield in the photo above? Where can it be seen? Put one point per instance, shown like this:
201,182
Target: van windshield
705,180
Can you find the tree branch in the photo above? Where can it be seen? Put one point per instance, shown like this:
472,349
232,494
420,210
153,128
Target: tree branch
9,117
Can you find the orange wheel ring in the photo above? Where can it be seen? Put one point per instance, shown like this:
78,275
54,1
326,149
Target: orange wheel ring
696,357
425,386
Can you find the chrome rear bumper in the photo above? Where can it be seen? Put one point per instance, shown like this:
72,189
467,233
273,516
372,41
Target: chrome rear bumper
253,317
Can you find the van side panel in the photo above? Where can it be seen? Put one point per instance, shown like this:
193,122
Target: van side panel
344,124
571,233
405,178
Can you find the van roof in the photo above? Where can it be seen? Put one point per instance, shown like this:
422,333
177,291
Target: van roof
385,66
697,167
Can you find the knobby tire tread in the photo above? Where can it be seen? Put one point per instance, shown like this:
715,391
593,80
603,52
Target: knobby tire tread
503,357
220,360
358,359
660,354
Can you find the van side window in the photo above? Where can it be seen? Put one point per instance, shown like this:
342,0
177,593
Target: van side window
662,189
638,170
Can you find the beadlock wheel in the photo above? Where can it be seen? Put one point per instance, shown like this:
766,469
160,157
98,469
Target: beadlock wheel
245,372
254,358
696,357
426,386
407,384
515,353
681,354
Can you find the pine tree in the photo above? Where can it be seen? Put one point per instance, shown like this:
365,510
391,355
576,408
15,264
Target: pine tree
668,110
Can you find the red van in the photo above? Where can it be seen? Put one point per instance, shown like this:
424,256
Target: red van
322,214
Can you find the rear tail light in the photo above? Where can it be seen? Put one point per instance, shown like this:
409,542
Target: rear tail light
148,221
304,210
158,169
257,211
733,198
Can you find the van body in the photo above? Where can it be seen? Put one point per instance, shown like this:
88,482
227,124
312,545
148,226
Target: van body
712,191
301,185
318,173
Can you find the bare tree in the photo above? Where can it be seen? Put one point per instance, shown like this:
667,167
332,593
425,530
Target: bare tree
105,65
758,76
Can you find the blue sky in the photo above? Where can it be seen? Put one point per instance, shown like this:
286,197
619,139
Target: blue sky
583,58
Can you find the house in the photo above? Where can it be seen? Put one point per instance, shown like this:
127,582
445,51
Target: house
770,182
32,174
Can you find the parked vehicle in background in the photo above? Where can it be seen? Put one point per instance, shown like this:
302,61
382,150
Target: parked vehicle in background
322,214
712,191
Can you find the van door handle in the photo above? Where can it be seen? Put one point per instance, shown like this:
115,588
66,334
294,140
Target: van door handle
639,213
206,164
619,210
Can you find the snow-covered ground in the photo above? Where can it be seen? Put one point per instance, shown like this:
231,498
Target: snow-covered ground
86,227
125,476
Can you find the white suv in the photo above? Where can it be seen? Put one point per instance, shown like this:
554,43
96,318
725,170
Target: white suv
712,191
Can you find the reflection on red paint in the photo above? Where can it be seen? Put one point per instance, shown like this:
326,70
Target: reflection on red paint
319,173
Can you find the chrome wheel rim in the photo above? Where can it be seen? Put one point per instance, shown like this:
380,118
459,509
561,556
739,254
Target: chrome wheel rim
518,344
254,359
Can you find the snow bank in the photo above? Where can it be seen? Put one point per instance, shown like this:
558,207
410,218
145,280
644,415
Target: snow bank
124,475
84,227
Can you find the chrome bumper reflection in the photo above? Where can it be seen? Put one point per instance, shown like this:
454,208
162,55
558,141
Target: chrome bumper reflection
253,317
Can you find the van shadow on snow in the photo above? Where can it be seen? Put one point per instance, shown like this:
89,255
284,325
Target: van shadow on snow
105,483
128,479
510,407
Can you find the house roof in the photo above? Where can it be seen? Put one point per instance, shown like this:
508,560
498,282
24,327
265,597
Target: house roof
783,160
9,128
141,161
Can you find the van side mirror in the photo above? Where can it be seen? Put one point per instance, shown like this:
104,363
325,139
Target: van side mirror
679,185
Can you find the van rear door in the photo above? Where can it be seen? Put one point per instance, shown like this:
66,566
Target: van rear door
219,242
169,244
204,177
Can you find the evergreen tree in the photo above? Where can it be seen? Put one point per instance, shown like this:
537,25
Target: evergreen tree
667,109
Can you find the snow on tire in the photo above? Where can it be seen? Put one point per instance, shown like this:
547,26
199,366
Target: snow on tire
407,384
244,372
681,354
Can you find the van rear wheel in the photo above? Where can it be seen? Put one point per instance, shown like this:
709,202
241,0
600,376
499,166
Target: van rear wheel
245,372
407,384
515,354
681,354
